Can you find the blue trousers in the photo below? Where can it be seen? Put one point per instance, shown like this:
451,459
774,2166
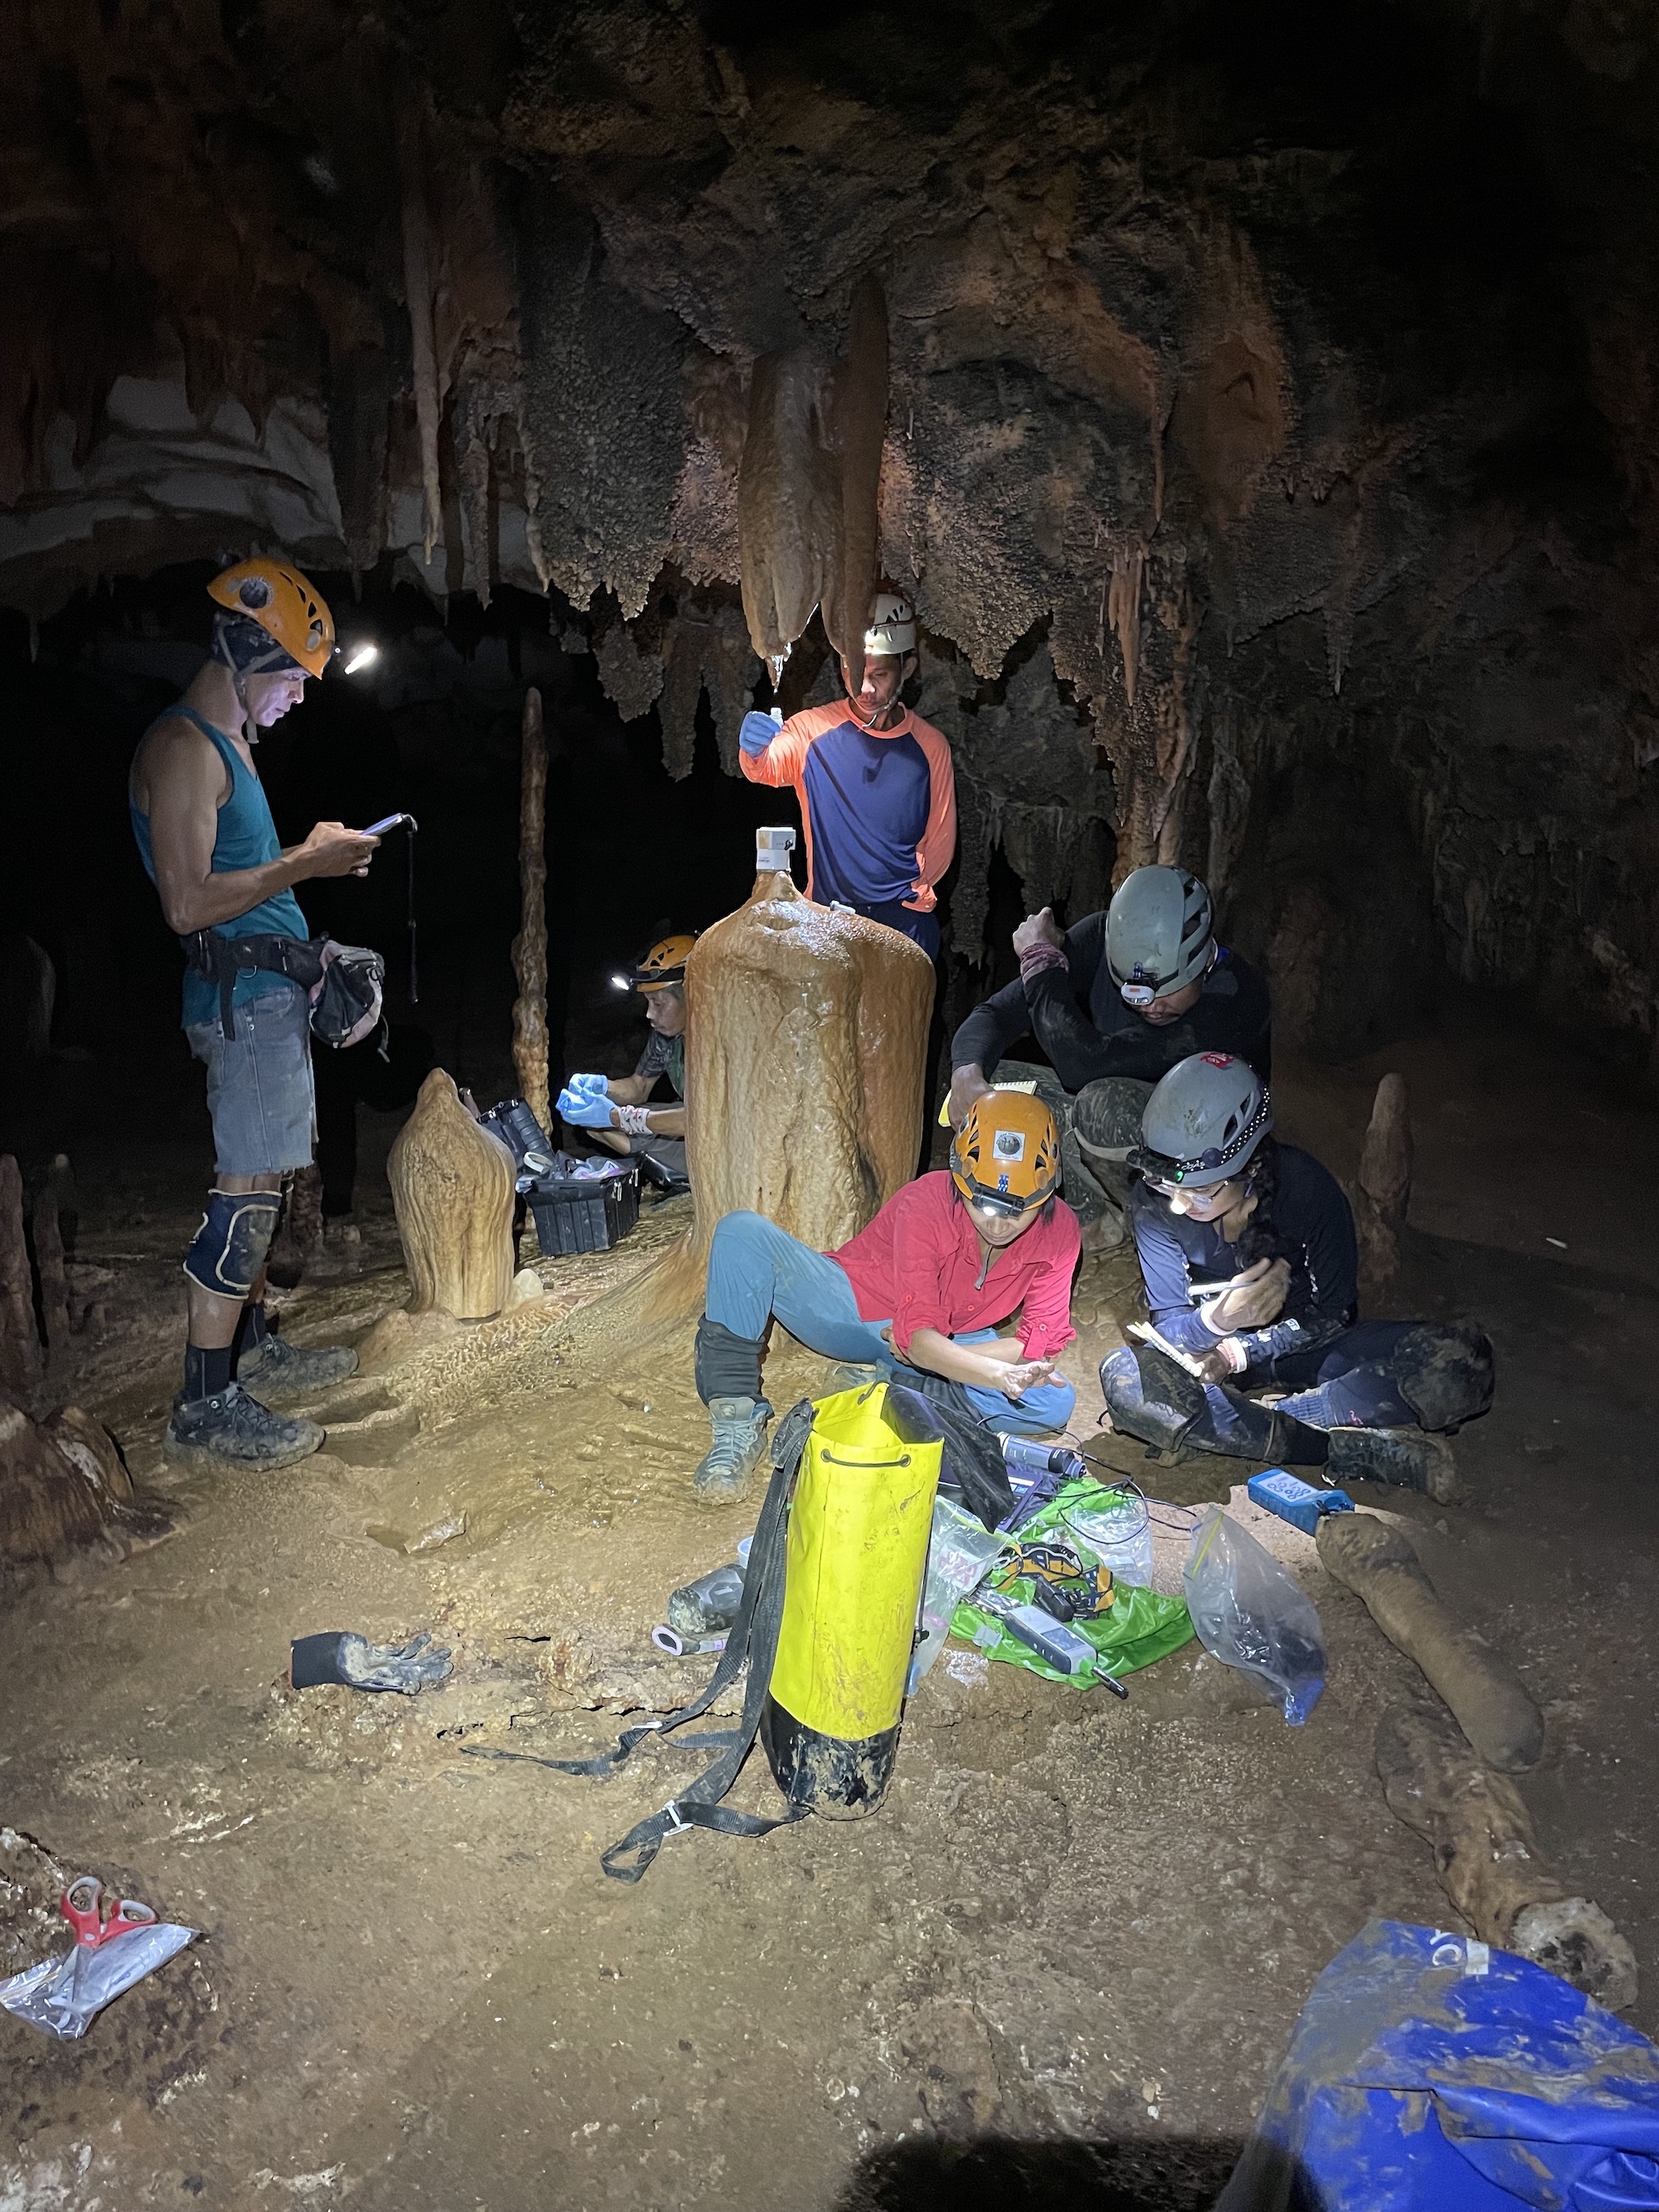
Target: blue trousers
757,1271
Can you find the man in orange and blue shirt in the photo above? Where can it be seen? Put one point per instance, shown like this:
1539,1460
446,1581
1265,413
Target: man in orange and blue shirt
875,783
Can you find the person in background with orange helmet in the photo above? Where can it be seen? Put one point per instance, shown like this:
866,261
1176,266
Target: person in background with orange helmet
208,844
934,1283
614,1110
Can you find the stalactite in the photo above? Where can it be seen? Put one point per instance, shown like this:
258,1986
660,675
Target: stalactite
705,647
417,287
1174,729
1123,610
632,678
858,417
789,499
979,830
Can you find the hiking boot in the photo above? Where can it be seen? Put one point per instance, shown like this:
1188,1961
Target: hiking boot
291,1370
739,1426
1408,1458
234,1428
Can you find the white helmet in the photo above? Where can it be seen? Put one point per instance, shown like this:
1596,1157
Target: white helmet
892,627
1159,933
1203,1122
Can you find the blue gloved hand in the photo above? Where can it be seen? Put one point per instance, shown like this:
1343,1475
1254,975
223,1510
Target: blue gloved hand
758,731
584,1109
587,1086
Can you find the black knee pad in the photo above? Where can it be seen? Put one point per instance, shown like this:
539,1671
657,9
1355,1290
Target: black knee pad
1150,1398
230,1246
1444,1372
727,1366
1106,1115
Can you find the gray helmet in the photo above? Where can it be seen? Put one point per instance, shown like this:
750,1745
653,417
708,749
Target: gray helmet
1203,1122
1159,933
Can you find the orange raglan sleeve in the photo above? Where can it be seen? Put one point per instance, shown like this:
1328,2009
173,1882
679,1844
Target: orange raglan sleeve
937,847
783,759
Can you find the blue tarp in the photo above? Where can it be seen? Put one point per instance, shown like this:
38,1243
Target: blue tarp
1428,2074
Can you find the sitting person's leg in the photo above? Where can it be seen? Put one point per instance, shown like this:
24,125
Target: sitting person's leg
1150,1397
757,1271
1044,1408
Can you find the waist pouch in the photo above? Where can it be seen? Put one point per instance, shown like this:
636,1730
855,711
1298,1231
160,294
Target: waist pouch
345,1008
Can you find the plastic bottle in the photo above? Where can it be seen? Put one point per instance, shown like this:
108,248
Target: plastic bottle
708,1604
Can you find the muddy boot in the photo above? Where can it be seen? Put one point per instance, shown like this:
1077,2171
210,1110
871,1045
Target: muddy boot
233,1427
1408,1458
289,1370
740,1425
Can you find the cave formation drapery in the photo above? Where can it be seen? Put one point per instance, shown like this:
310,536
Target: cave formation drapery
1266,421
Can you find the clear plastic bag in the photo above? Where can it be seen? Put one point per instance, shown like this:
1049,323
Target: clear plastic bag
959,1556
1251,1614
65,1996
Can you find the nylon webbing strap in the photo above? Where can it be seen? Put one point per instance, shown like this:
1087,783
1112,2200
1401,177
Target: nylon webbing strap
753,1641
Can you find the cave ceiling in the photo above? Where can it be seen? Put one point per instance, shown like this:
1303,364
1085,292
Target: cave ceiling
1236,391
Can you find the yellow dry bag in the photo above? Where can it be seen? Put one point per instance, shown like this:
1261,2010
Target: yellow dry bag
856,1555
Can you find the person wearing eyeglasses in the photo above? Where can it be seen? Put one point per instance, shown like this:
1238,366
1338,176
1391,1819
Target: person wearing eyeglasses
966,1275
1250,1267
1115,1002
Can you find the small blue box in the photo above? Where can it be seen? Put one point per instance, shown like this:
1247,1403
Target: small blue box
1294,1500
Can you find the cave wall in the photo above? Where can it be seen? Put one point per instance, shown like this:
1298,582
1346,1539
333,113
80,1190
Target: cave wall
1263,412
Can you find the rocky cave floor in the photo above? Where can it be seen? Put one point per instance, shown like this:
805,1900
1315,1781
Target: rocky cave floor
1068,1952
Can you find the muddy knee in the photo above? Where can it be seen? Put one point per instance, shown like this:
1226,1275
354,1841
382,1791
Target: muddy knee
1444,1373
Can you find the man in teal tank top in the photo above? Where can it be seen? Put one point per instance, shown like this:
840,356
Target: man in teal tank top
208,844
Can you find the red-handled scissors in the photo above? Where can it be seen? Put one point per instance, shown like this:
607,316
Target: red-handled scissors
82,1905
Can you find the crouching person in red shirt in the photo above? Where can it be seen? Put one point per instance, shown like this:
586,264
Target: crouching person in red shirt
946,1263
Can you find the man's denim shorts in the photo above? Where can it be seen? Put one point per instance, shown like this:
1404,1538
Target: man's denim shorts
258,1084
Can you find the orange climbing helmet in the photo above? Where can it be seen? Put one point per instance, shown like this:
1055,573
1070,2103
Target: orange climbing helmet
1006,1154
278,599
664,963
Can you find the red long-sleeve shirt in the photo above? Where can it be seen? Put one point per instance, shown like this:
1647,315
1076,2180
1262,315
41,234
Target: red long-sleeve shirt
919,1264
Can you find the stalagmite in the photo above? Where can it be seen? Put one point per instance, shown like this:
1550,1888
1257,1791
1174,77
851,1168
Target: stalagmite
452,1187
1486,1855
299,1238
20,1344
805,1043
1385,1181
530,946
54,1277
1488,1697
62,1485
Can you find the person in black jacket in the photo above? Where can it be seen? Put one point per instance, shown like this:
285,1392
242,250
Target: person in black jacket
1115,1002
1248,1257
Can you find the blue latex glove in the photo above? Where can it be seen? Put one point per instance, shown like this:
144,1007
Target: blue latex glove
758,731
587,1086
584,1109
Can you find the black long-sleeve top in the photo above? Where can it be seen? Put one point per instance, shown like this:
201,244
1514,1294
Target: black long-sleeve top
1313,1225
1078,1015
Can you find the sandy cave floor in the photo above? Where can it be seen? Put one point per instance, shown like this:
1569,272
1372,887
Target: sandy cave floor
1075,1922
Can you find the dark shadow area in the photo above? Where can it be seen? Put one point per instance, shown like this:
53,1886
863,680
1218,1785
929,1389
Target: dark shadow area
994,2174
